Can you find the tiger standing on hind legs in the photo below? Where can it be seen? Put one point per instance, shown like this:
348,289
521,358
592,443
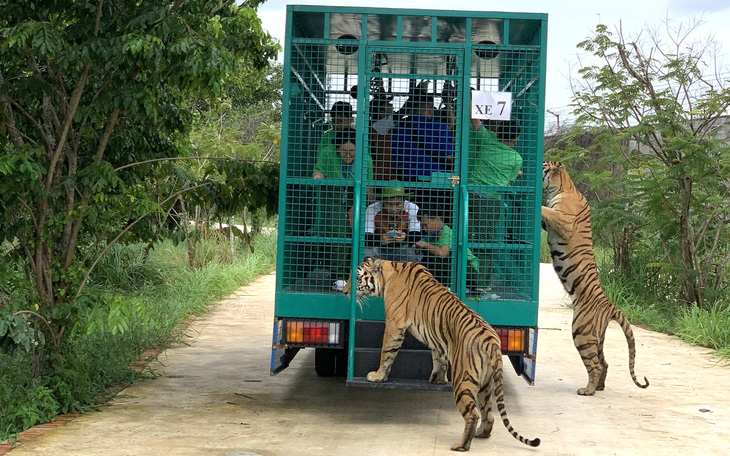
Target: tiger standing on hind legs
415,301
566,218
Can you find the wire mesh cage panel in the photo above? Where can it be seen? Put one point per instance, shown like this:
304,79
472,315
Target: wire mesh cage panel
381,156
502,177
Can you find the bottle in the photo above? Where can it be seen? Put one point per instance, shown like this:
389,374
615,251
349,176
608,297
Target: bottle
338,285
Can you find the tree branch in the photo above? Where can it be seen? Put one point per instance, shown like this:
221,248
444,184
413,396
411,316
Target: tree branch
50,328
7,113
130,165
70,248
49,116
26,114
177,5
98,18
69,117
721,267
111,123
125,230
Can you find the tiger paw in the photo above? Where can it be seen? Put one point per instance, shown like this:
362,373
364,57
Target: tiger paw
483,434
437,378
375,377
586,392
460,446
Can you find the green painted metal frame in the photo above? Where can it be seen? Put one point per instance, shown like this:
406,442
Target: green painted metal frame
335,306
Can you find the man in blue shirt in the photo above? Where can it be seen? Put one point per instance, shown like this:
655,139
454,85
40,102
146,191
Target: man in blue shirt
422,145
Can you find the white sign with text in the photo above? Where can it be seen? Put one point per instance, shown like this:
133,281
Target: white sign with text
491,105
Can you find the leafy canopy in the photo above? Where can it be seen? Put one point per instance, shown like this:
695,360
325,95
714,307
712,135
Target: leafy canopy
94,97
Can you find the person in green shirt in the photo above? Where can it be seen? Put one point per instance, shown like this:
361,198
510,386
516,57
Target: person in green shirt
335,202
435,246
331,162
328,159
493,164
492,159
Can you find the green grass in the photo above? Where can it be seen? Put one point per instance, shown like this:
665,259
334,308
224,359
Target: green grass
709,328
638,305
544,249
84,364
646,298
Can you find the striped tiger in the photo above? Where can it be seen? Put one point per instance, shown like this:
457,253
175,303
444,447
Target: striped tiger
415,301
566,218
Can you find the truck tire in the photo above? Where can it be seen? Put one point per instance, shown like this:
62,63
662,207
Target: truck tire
330,362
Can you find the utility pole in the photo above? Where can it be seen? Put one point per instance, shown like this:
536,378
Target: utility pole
557,116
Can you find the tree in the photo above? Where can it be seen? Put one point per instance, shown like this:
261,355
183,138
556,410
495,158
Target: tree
94,97
658,99
236,136
596,169
245,120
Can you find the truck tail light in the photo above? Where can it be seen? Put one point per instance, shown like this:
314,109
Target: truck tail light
312,332
513,340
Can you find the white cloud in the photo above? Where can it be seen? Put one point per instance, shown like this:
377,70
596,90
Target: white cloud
569,22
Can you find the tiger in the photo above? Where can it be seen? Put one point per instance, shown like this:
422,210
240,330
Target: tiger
566,218
415,301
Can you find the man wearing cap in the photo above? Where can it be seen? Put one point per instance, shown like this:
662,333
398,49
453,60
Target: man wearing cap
328,159
392,227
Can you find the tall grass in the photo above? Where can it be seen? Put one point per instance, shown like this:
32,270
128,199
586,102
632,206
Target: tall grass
74,373
637,301
639,306
647,297
709,328
186,291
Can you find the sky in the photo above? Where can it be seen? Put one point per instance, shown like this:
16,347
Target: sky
569,22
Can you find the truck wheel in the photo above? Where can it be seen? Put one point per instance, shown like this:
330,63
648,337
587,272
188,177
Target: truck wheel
330,362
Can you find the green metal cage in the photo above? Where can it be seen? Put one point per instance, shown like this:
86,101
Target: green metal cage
359,164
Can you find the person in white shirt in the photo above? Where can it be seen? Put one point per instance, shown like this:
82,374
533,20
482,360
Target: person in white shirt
392,227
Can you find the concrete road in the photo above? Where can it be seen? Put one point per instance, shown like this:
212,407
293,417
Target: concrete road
215,397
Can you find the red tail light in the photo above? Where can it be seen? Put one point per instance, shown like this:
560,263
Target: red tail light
312,332
512,340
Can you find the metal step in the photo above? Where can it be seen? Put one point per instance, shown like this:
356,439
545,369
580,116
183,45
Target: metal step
412,366
369,334
408,365
399,384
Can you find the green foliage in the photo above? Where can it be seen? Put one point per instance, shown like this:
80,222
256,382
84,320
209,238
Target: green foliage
24,405
710,328
239,135
93,99
74,372
126,269
646,297
238,185
544,248
656,173
638,305
135,78
97,105
17,334
112,312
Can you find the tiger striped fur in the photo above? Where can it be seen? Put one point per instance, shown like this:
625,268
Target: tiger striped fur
415,301
566,218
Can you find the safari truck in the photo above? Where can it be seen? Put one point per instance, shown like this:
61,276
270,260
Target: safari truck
368,71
